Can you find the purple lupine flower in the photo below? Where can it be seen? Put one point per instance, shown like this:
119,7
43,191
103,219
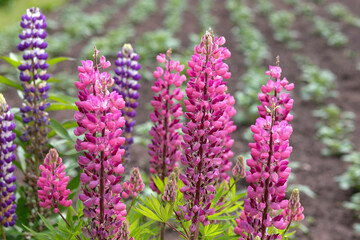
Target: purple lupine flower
164,148
127,86
100,121
33,68
7,178
33,78
206,143
52,183
265,206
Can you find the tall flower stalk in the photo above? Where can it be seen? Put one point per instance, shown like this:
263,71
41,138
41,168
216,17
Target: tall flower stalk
33,78
164,148
7,178
53,182
127,86
100,121
266,205
207,133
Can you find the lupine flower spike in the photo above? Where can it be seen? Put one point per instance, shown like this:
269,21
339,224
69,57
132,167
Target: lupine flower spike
207,139
238,170
127,86
135,184
33,78
265,206
100,121
124,233
170,189
7,178
165,145
53,182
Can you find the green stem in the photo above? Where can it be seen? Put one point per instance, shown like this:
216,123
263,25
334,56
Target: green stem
77,236
3,232
132,203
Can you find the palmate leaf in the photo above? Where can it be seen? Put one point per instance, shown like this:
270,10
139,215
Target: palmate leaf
10,83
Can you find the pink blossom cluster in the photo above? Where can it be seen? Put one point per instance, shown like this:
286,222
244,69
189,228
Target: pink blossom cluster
207,139
266,205
52,183
165,146
135,184
100,121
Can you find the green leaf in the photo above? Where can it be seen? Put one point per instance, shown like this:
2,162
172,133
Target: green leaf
61,106
222,217
62,98
56,60
11,61
10,83
69,217
60,130
148,213
47,224
53,80
75,182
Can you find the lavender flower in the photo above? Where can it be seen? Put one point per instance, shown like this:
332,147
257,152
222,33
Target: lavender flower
33,77
127,86
7,178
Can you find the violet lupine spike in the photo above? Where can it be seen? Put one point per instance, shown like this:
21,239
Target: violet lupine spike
135,184
7,177
265,205
206,144
100,121
33,78
127,86
52,183
165,147
124,232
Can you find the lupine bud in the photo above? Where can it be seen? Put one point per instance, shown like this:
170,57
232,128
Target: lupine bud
135,184
170,189
100,121
7,177
238,170
294,212
33,78
53,182
269,169
127,85
124,233
207,139
164,148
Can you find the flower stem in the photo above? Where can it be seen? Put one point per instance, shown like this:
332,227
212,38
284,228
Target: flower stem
77,236
3,232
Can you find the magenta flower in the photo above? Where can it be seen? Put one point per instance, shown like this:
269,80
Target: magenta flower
207,138
165,146
269,169
52,183
135,184
100,121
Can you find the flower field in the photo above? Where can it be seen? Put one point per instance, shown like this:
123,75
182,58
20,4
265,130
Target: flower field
180,119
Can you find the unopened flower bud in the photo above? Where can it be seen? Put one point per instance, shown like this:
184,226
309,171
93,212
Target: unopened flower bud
238,170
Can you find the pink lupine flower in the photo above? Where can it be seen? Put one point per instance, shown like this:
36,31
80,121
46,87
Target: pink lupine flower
165,145
100,121
265,206
170,189
135,184
52,183
207,139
